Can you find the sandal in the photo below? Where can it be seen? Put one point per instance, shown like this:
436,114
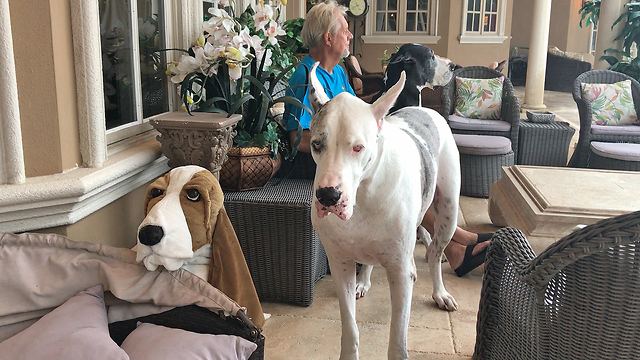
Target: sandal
470,261
482,237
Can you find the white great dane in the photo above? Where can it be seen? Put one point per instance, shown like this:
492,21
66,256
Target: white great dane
376,177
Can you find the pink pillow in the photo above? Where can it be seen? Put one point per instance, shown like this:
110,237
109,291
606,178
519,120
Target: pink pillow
74,330
155,342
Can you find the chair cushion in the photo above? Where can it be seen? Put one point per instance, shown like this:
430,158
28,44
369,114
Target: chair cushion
464,123
156,342
611,104
482,144
478,98
77,329
620,151
615,130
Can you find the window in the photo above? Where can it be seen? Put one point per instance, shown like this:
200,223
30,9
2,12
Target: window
401,21
592,39
483,21
135,85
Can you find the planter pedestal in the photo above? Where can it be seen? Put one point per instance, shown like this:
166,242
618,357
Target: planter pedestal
202,139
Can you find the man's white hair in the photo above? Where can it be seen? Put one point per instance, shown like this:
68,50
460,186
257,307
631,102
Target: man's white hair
320,19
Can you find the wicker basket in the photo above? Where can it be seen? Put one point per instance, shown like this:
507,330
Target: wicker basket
248,168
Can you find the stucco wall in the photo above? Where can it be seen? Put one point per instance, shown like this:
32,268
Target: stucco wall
46,85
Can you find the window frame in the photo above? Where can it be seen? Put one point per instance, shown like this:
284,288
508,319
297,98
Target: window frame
372,36
141,124
469,37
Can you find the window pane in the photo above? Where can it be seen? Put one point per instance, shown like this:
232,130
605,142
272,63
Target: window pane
485,23
393,5
469,22
422,4
494,5
477,5
117,62
470,5
152,63
391,22
422,21
476,22
380,21
411,4
493,23
411,22
381,5
487,5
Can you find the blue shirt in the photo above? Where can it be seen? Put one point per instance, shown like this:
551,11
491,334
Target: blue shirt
333,85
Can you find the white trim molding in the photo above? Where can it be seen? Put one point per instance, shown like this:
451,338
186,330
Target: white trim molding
481,39
64,199
89,84
400,39
11,154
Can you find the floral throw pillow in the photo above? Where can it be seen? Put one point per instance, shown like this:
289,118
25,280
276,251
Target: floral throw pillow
478,98
611,104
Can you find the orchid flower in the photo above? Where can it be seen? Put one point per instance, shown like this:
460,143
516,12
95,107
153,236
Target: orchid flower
272,31
263,15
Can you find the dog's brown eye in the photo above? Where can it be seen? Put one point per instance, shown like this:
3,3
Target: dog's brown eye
155,192
193,195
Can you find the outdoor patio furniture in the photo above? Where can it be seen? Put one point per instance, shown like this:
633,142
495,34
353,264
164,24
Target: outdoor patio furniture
603,133
508,124
283,252
614,156
576,300
544,144
364,83
481,160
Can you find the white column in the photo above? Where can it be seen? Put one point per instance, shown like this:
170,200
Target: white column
609,12
537,59
11,154
85,21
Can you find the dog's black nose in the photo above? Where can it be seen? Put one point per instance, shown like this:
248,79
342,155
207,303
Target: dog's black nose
150,235
328,196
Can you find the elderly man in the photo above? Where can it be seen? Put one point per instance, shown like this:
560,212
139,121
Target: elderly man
326,34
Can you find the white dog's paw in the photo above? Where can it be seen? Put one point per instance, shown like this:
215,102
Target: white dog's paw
445,301
362,287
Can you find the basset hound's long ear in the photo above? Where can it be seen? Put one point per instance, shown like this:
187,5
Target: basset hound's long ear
228,270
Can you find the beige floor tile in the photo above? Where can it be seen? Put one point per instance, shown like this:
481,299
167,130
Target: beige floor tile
463,324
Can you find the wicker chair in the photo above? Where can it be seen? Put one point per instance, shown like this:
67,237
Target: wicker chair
365,84
576,300
589,133
509,111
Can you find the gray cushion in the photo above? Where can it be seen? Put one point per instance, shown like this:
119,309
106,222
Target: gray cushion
482,144
615,130
463,123
620,151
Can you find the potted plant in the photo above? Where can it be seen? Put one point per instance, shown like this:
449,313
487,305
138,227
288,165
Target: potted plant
229,70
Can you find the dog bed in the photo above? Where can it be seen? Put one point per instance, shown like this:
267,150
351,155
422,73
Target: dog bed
43,276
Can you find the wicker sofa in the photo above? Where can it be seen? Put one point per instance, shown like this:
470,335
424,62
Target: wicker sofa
576,300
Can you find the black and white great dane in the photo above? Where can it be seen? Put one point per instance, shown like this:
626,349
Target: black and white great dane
376,177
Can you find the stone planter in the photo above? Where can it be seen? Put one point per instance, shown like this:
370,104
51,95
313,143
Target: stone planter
202,139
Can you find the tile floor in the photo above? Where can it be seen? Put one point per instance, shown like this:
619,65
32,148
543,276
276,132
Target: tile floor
313,332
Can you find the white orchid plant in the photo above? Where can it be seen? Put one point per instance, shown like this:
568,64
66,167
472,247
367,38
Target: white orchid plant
228,70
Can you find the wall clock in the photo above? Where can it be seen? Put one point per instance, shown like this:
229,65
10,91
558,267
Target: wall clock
357,8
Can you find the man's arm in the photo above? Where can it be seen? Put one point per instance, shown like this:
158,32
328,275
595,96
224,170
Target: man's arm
305,142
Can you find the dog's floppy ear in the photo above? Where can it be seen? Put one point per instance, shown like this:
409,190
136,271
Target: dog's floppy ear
317,96
228,270
386,101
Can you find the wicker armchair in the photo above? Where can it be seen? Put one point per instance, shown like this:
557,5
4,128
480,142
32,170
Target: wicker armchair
588,133
365,84
509,111
576,300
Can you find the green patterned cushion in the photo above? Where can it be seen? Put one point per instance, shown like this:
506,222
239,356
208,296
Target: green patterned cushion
611,104
479,98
